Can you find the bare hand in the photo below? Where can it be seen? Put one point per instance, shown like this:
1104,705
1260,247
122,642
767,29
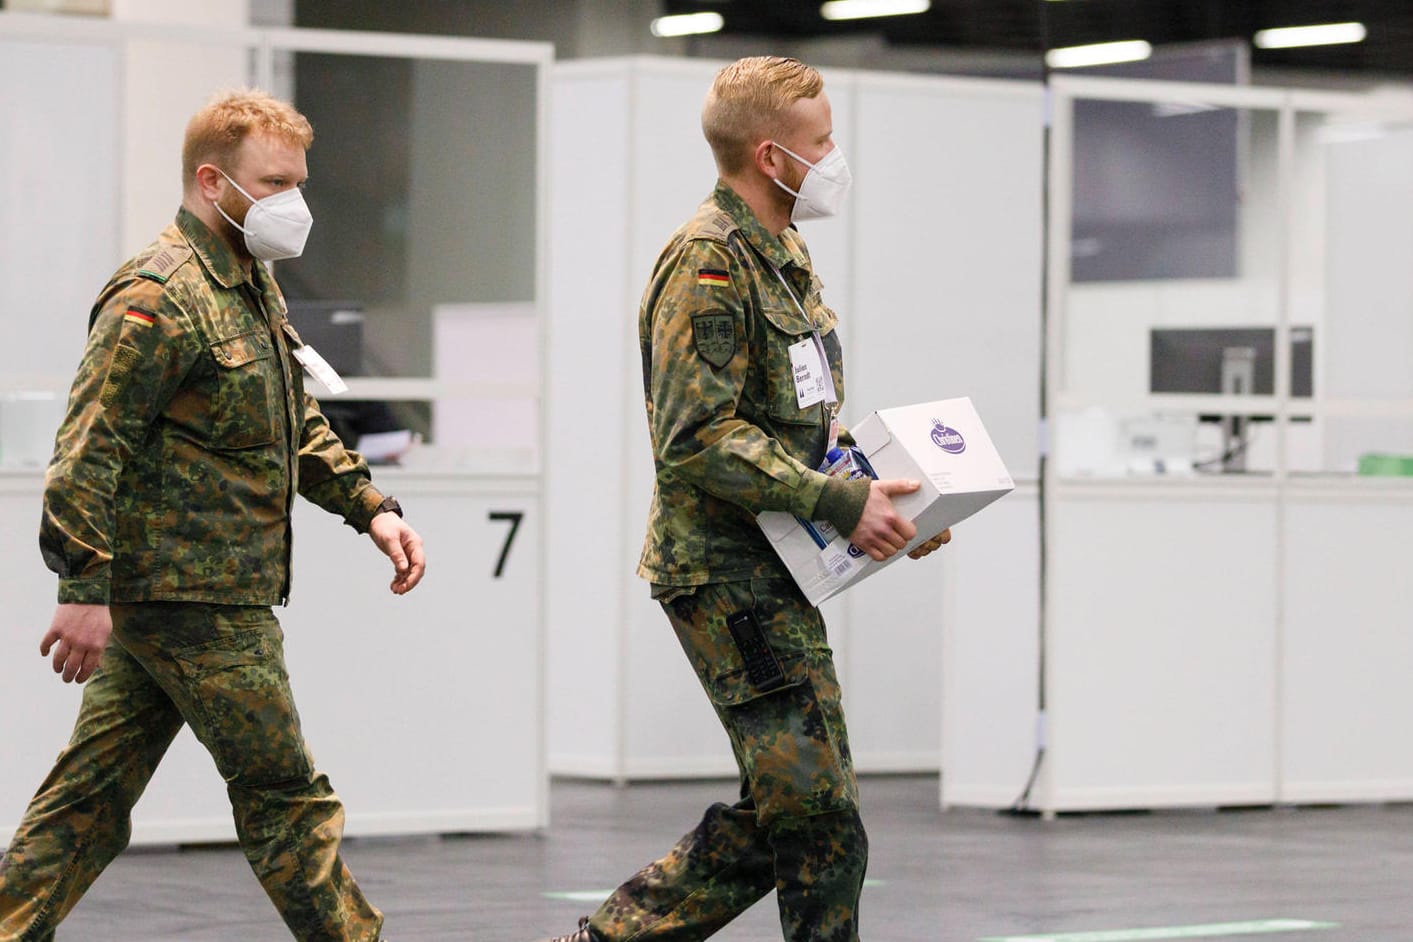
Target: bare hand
922,549
78,634
881,531
403,546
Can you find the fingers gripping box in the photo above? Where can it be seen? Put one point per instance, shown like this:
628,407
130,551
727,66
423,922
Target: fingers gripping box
943,446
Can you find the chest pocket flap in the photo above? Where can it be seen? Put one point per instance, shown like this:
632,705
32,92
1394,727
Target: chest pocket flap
243,404
240,350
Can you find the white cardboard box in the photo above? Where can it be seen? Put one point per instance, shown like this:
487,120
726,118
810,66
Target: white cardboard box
941,444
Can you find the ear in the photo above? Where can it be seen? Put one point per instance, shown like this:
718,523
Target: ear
209,182
767,156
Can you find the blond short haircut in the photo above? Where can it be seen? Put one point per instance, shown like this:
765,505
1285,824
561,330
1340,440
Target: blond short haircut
215,133
747,103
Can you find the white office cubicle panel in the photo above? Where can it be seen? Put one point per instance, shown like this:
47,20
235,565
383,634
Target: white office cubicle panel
422,709
649,168
669,728
946,302
1187,650
1348,642
586,414
628,166
990,653
1161,656
948,251
446,682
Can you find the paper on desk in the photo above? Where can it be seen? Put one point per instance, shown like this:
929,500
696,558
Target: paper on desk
385,446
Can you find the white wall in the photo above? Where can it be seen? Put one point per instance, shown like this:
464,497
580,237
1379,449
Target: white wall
59,203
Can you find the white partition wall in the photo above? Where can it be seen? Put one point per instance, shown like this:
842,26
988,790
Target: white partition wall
625,172
1348,640
946,302
421,709
56,161
934,268
991,653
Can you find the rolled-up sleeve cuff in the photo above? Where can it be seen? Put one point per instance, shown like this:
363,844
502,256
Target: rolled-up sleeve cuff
84,591
842,503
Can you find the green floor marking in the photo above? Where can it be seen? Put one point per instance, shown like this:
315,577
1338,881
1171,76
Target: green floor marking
598,896
1211,930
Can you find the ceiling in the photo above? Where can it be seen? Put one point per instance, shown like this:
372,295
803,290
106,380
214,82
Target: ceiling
1023,27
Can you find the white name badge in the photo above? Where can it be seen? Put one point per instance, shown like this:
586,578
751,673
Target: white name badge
320,369
811,385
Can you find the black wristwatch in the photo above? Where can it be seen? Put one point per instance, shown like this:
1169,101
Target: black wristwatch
388,506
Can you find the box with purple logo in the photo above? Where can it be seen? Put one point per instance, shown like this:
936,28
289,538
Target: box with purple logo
942,445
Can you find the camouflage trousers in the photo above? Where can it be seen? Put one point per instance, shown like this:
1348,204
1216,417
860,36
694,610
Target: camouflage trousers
220,669
796,829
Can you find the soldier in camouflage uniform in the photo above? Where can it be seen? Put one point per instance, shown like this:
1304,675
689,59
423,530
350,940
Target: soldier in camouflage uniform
730,318
167,518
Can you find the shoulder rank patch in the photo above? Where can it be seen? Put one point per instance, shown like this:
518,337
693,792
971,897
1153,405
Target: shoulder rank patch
167,260
140,318
713,277
714,336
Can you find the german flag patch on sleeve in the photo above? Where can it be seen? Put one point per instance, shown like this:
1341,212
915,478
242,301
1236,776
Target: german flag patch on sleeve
713,277
140,318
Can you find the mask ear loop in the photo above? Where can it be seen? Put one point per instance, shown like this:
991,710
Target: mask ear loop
239,189
780,183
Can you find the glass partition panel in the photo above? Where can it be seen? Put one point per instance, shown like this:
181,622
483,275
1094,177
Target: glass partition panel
1172,307
422,185
1361,244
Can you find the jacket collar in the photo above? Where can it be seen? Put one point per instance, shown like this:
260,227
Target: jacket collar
215,254
770,247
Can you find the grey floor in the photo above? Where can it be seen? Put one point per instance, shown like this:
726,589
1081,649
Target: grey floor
963,875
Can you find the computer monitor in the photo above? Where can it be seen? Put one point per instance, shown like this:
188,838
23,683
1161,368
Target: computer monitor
1228,361
1190,360
334,328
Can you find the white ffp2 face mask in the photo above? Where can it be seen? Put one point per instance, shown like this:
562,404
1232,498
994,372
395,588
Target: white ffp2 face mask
824,187
275,227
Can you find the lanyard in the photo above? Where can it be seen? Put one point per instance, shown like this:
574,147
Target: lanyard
831,395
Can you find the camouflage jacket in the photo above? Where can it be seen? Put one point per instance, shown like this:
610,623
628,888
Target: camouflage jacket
187,434
729,438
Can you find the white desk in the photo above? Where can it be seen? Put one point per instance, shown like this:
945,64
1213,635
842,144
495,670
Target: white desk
1211,641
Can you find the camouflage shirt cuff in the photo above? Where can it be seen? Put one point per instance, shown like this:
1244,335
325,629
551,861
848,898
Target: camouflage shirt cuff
83,591
842,503
367,503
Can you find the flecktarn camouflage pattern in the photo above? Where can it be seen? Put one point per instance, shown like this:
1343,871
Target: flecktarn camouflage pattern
187,435
796,829
726,301
220,669
715,328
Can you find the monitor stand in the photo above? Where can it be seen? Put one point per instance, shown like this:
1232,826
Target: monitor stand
1238,379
